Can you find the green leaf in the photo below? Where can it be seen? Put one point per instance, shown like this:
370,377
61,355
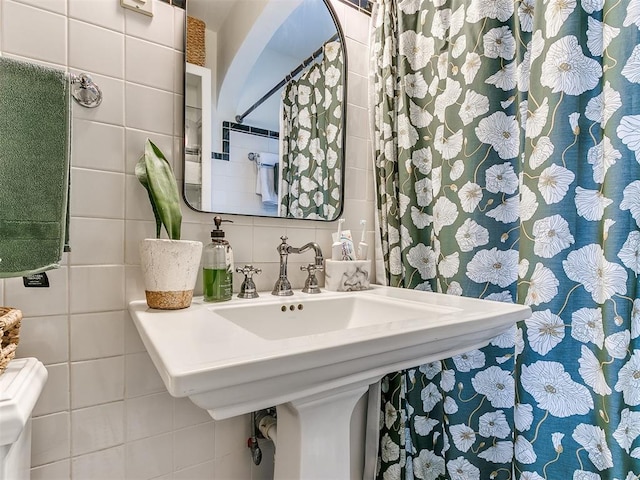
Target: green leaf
141,173
155,174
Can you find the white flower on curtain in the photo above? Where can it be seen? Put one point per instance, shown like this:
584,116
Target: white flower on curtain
461,469
591,6
601,278
556,13
630,252
590,204
628,429
471,235
566,69
479,9
497,385
428,466
463,436
633,14
554,183
593,439
417,48
545,330
501,132
600,36
629,380
602,156
629,132
543,286
554,390
591,372
586,326
631,69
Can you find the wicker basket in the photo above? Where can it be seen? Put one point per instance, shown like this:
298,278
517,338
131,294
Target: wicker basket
195,41
10,319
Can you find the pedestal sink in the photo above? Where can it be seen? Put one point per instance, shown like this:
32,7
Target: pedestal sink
313,356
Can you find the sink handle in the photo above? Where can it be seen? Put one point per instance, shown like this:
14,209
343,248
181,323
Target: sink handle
248,287
311,284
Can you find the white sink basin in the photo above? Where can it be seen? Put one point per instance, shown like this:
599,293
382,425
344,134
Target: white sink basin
313,354
318,314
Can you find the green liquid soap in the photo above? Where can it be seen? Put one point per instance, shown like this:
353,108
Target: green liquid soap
218,284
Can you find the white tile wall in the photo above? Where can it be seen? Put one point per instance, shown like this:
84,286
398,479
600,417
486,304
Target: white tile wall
105,413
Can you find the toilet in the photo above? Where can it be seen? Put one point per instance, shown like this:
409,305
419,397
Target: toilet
20,386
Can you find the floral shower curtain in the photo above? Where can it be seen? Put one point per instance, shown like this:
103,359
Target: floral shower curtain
311,139
507,157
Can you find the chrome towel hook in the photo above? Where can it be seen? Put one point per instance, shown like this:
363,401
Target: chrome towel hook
84,91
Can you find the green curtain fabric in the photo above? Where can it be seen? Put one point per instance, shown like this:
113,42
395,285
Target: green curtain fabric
311,132
507,158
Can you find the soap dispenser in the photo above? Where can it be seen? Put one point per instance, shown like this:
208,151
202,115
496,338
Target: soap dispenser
217,275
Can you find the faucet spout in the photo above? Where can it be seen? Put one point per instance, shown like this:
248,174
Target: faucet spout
307,246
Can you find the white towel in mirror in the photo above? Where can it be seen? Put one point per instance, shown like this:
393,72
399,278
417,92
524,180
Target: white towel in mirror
265,178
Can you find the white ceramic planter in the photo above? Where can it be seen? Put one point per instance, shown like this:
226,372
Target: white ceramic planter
169,269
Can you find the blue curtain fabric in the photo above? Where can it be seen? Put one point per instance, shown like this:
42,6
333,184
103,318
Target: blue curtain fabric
507,158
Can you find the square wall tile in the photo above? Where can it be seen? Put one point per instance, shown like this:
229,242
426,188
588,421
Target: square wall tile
179,18
32,32
232,466
55,6
104,13
149,458
95,49
132,341
148,416
148,108
97,428
111,110
137,205
96,289
103,465
138,230
52,471
45,338
50,438
38,301
97,241
98,146
198,472
141,376
231,435
55,394
96,194
94,382
149,64
156,29
97,335
187,414
193,445
134,147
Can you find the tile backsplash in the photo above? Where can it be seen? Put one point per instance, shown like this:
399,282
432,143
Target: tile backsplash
104,412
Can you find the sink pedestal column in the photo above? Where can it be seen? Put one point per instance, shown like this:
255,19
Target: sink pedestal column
314,441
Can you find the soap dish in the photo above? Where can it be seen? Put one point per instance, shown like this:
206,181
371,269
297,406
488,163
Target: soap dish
347,275
10,320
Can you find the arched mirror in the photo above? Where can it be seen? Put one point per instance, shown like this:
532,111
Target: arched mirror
265,110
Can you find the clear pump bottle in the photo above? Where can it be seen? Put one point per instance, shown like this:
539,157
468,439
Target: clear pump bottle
217,272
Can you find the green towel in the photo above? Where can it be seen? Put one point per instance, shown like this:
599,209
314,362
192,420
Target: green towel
34,167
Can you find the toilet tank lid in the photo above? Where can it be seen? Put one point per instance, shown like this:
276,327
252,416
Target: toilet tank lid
20,386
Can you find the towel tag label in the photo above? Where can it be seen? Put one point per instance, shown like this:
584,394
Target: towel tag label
37,280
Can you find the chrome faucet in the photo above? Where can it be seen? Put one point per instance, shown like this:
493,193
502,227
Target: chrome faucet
283,286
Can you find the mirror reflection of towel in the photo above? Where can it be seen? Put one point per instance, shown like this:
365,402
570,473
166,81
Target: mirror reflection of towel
265,184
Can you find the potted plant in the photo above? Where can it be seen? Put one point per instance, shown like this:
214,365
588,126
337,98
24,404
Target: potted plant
169,266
